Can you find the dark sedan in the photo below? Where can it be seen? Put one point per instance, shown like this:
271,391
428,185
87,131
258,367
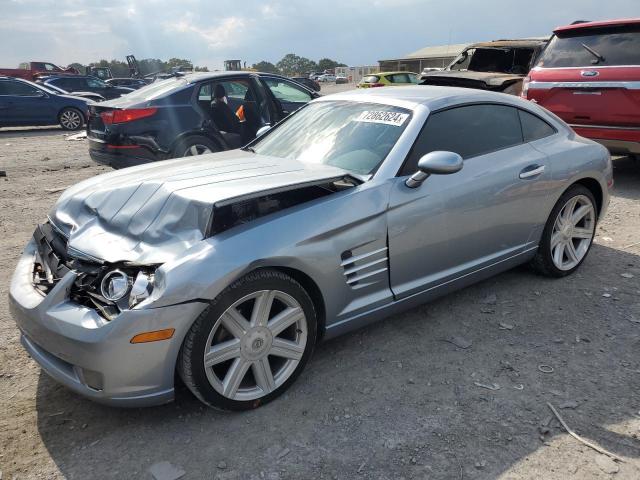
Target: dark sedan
24,103
190,115
86,83
134,83
307,82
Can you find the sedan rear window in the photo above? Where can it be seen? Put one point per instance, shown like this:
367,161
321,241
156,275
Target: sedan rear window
604,47
157,89
353,136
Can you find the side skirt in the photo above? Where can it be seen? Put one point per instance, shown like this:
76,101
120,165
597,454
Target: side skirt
425,296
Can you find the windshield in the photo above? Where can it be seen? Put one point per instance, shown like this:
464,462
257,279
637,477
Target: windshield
157,89
610,47
353,136
502,60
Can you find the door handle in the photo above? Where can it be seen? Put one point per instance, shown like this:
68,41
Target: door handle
532,171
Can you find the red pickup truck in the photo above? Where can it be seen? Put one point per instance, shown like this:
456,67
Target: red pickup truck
33,70
589,75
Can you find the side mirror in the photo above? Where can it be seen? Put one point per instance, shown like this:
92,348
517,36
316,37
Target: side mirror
435,163
262,130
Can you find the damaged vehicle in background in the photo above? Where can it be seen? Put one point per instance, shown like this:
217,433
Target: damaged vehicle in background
229,268
181,117
499,66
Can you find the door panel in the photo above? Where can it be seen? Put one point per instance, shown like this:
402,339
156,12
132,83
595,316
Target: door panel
455,224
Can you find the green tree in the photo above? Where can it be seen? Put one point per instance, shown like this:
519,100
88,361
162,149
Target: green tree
328,64
292,64
266,67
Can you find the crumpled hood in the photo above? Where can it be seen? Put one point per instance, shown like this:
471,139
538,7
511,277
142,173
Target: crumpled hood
152,213
491,79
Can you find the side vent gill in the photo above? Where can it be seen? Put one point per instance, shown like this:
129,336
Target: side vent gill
364,269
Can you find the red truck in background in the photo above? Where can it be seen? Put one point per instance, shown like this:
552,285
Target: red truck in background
33,70
589,75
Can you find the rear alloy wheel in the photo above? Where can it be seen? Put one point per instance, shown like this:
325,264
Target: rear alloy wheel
197,145
71,119
568,234
251,343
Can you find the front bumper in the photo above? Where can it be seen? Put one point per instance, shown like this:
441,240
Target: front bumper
93,356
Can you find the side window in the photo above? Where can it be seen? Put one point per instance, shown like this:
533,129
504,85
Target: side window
50,67
205,94
533,127
236,90
468,131
287,91
20,89
463,60
95,83
64,83
400,78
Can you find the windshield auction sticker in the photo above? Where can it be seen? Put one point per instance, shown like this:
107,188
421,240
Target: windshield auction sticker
388,118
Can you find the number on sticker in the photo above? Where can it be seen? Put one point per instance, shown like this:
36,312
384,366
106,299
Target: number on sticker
387,118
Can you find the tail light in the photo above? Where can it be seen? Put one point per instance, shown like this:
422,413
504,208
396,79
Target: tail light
376,85
525,87
124,116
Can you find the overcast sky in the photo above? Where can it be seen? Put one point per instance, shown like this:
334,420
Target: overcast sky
356,32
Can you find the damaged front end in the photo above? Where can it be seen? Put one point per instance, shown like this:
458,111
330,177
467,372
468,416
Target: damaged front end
107,288
238,211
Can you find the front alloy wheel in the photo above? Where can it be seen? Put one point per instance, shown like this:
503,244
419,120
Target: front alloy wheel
256,345
248,346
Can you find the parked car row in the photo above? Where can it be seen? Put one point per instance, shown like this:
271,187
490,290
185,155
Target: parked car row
25,103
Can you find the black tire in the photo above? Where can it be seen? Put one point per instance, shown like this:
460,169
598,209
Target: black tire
71,119
191,366
543,263
184,147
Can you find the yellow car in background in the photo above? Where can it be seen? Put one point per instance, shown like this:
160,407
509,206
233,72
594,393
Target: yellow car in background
386,79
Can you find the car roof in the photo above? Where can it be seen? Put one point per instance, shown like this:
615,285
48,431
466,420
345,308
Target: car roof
521,43
56,76
390,73
431,96
203,76
600,24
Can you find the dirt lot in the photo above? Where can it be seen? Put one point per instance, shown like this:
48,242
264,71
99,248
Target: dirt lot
391,401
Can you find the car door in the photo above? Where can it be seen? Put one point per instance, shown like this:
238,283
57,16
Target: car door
289,95
23,104
454,225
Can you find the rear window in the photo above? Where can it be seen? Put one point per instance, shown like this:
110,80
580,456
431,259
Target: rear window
607,47
371,79
157,89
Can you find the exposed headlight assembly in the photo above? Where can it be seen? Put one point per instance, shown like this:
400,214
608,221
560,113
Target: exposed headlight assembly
116,285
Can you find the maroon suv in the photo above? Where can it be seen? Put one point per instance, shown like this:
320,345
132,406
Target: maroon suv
589,75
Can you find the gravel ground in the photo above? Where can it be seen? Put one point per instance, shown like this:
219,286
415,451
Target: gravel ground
391,401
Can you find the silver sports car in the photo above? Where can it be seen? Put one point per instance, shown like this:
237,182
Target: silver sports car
229,268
